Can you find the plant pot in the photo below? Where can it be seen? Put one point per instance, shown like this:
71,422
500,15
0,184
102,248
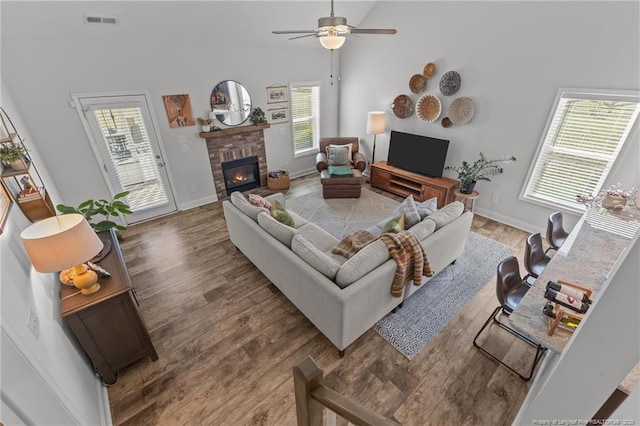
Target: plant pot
206,128
17,165
467,187
614,201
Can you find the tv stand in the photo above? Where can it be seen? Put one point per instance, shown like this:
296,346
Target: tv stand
404,183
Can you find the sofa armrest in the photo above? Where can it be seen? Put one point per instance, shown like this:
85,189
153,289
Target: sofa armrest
359,162
321,161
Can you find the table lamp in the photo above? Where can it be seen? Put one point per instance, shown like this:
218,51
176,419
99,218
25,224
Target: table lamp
375,126
61,242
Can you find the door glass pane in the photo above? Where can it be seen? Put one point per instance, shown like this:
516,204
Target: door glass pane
125,135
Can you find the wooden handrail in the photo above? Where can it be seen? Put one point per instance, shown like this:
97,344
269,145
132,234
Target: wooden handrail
312,396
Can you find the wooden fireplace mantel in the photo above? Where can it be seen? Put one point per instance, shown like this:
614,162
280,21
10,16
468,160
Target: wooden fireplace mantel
234,131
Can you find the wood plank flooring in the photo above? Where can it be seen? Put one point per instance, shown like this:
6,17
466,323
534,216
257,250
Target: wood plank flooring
228,340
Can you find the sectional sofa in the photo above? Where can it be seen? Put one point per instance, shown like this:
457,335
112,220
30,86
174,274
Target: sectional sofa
342,298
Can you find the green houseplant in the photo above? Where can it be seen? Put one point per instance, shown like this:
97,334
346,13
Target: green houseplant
12,154
104,209
481,169
258,116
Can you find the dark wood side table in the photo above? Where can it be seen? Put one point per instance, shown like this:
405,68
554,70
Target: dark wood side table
108,323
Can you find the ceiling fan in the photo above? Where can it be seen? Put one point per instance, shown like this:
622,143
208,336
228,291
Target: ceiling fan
332,30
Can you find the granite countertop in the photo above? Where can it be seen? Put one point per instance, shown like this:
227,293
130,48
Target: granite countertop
597,244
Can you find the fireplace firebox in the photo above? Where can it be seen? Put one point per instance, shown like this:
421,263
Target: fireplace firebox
241,175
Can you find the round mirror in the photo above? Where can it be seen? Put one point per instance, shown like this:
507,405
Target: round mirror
231,103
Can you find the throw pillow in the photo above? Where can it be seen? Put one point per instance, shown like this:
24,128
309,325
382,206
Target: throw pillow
337,155
349,146
280,214
259,201
410,211
425,208
395,225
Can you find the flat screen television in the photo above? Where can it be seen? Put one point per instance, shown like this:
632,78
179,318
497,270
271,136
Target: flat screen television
419,154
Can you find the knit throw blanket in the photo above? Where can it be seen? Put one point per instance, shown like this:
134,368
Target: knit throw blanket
403,247
412,261
351,244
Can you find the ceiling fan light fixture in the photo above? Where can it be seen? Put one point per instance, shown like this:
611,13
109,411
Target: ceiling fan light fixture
332,42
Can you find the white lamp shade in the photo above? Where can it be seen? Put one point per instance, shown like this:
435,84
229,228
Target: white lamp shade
332,42
375,122
60,242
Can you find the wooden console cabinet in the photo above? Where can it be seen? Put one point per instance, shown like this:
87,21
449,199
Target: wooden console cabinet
404,183
108,323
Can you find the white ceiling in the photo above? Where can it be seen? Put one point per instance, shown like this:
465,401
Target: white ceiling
244,22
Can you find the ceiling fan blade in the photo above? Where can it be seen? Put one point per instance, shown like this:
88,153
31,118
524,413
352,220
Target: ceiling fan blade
373,31
294,32
303,36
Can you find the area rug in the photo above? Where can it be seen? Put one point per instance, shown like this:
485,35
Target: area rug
428,310
342,216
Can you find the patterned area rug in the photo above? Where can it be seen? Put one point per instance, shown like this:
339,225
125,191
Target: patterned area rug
343,216
428,310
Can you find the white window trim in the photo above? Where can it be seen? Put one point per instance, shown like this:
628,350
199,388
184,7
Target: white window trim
623,95
316,148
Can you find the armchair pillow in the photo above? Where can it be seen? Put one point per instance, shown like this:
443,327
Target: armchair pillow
349,147
338,155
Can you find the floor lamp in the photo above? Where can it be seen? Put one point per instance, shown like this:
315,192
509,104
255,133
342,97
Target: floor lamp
375,126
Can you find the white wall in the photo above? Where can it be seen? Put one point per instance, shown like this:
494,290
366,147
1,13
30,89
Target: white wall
43,70
512,57
49,379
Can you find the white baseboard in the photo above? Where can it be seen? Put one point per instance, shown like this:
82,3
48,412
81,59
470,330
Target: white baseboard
103,403
509,221
304,172
197,203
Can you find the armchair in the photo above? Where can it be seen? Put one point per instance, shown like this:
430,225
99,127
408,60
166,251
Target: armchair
341,186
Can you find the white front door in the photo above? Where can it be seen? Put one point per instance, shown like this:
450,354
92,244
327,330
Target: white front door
126,144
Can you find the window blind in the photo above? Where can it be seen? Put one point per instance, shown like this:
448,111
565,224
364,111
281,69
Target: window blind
305,116
129,147
579,147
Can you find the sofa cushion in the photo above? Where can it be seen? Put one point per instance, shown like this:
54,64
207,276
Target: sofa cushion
363,262
337,155
447,214
240,201
259,201
324,264
394,225
410,210
280,232
427,207
281,215
423,229
318,236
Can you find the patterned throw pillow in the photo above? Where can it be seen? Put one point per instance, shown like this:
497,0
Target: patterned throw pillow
410,210
259,201
349,147
425,208
280,214
337,155
394,226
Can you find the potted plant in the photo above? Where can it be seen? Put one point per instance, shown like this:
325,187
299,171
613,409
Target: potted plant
104,209
205,124
13,155
481,169
258,116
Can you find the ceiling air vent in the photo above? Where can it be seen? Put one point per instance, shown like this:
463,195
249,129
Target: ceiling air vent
100,20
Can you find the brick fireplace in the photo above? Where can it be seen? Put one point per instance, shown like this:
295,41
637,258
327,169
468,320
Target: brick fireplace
236,146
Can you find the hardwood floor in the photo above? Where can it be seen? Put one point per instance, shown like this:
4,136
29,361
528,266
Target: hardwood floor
228,340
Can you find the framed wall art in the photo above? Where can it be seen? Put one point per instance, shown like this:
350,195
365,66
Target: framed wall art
277,94
179,112
278,115
5,202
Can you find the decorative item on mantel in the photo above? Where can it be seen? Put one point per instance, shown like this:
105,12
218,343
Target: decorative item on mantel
481,169
205,124
258,116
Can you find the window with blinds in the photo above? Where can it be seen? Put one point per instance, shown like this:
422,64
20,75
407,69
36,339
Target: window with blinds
582,140
305,117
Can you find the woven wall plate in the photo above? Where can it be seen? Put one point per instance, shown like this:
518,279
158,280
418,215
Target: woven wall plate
450,83
402,106
429,70
461,110
417,83
429,108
